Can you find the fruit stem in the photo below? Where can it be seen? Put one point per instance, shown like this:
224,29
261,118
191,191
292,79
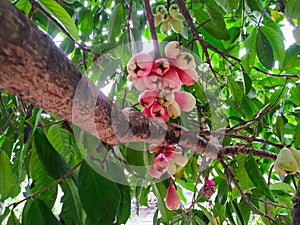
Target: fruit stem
150,20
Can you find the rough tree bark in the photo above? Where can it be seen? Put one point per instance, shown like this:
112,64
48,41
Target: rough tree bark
33,68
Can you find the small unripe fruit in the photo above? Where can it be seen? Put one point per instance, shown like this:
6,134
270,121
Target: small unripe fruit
296,155
161,9
165,26
173,49
157,19
285,162
174,10
176,25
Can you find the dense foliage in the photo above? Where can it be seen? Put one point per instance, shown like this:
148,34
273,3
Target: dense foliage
247,93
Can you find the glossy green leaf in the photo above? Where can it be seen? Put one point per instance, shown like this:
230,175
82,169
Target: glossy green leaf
296,136
296,34
209,26
277,96
279,125
117,173
295,93
160,191
24,5
200,93
36,212
7,177
115,22
99,196
238,212
249,58
86,22
257,178
72,211
276,42
292,58
247,83
282,187
217,19
13,220
264,50
52,161
255,5
292,9
62,16
237,91
41,179
61,140
229,6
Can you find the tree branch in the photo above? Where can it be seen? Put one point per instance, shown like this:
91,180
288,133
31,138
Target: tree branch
33,68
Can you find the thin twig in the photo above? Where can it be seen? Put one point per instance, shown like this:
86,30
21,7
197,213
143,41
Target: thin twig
150,20
8,115
15,204
245,197
39,7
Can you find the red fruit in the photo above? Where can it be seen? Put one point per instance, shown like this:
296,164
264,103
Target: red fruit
185,100
159,112
185,61
187,77
140,65
161,66
172,198
159,166
147,98
171,81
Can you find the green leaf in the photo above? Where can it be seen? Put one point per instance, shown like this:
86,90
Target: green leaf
282,187
7,177
277,96
264,50
296,34
41,179
229,6
72,211
292,9
115,21
295,93
60,139
247,83
62,16
237,91
255,5
24,5
250,45
276,42
238,212
256,177
160,191
200,93
99,196
52,161
217,19
279,125
292,58
36,212
208,25
296,136
86,22
103,47
12,220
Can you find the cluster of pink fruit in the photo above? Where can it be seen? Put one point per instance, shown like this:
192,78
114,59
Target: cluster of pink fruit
160,81
165,161
208,189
